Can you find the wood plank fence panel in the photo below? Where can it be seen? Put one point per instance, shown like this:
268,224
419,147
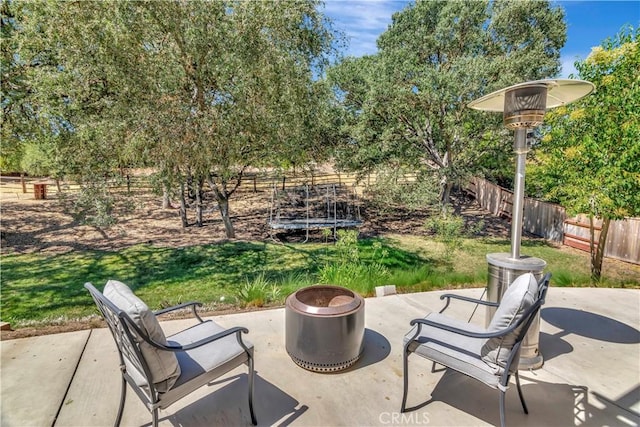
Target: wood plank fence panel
549,220
623,239
544,219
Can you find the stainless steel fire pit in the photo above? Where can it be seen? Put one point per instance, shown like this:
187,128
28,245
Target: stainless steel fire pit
324,327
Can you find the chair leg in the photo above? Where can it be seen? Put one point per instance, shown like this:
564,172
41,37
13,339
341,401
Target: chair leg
502,421
524,405
405,377
123,395
155,417
251,382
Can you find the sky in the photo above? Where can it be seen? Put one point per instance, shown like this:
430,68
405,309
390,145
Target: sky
589,23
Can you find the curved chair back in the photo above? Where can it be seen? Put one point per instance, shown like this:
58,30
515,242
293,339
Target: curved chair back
127,337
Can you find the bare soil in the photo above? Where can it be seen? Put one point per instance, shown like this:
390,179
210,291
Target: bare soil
45,226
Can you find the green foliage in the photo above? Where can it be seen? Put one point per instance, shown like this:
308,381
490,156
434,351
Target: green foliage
391,189
99,203
258,292
350,269
565,278
450,229
17,114
194,89
407,105
38,159
347,246
362,278
94,206
589,158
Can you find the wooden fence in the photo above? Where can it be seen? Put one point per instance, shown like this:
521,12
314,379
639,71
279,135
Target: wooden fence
550,221
623,239
15,187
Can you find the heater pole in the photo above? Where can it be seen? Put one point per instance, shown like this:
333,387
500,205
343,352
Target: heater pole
523,107
517,212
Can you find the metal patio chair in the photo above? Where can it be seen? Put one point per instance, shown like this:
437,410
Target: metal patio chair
161,370
489,355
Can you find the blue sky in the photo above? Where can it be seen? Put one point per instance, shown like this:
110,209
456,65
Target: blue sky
588,23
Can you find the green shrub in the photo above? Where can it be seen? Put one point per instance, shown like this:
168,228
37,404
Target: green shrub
350,270
393,188
258,292
449,229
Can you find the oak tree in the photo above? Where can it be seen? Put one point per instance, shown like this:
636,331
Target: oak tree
407,103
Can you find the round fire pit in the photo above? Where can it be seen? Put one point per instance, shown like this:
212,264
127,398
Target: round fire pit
324,327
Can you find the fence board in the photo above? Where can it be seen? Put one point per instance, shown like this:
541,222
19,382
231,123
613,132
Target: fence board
549,220
623,239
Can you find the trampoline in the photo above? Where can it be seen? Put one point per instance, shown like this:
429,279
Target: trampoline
322,206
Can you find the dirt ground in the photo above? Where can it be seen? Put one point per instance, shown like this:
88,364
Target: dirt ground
44,226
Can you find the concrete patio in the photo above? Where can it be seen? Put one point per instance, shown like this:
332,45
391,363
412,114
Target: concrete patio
590,340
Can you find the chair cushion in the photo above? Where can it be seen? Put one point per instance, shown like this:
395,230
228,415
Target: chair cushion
205,363
455,351
520,295
163,365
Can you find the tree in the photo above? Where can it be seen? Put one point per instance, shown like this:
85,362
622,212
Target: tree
589,157
407,103
200,90
19,112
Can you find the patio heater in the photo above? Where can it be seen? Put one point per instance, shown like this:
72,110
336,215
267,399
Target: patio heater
523,107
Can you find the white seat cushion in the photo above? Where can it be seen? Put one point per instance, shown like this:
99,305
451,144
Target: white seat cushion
163,365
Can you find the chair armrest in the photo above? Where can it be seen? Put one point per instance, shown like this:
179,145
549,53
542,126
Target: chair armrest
192,304
452,329
466,333
449,297
235,330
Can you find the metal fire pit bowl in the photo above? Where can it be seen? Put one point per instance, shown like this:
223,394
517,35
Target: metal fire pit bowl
324,327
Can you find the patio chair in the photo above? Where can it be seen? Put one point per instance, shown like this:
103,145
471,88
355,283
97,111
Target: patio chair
489,355
161,370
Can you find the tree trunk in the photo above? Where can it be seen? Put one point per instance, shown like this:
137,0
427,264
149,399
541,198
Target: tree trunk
190,189
597,252
198,191
445,191
24,183
183,207
166,200
223,193
223,205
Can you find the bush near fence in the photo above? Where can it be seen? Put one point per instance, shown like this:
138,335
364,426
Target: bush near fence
550,221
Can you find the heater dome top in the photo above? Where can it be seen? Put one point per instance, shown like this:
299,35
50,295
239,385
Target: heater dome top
559,92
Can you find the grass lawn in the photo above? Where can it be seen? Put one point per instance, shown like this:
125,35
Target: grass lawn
41,289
